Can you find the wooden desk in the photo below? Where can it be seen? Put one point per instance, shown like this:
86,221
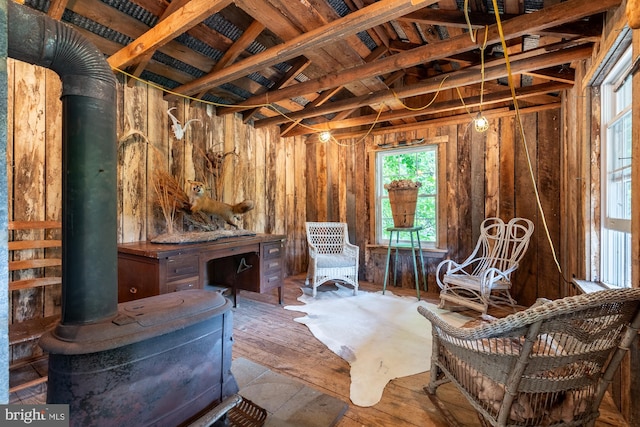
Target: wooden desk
252,263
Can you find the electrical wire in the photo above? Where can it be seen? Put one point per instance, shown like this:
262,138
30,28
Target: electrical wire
466,16
484,46
523,137
217,104
424,106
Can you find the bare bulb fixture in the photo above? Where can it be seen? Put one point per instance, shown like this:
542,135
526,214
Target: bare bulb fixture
481,123
324,136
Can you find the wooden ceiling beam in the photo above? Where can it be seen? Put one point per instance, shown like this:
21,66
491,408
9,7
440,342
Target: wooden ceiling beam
582,29
56,8
327,94
452,18
558,74
353,23
235,50
184,18
440,107
456,79
440,122
247,37
297,67
519,26
144,60
109,17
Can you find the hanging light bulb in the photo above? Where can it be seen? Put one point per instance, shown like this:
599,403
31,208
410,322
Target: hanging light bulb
324,136
481,123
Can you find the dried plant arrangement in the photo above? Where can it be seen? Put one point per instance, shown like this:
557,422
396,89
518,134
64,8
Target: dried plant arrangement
214,163
167,198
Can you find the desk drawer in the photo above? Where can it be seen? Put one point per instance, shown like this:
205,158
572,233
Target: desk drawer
272,251
183,285
271,280
272,265
182,266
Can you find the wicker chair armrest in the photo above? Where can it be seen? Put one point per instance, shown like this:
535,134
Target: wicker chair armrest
503,273
536,313
452,267
492,275
313,251
351,250
495,273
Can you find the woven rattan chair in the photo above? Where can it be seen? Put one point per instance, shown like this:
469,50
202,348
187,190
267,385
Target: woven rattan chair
549,365
484,278
331,256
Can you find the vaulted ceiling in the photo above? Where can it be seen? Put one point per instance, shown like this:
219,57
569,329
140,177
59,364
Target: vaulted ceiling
345,65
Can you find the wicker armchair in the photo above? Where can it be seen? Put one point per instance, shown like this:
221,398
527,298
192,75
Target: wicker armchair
331,256
484,278
549,365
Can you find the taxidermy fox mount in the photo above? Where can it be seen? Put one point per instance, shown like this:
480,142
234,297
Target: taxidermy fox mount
200,202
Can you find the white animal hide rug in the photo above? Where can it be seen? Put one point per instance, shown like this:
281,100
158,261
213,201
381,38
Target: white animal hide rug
382,337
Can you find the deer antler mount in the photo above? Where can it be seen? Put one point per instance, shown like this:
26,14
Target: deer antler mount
179,129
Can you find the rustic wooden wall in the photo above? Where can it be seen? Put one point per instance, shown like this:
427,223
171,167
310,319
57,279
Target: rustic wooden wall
486,174
256,163
294,180
34,166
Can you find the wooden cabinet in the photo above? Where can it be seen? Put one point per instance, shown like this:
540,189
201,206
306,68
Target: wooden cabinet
252,263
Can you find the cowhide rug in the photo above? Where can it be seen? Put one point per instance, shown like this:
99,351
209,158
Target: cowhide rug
381,336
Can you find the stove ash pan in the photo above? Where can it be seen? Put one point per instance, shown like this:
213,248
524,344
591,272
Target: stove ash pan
160,362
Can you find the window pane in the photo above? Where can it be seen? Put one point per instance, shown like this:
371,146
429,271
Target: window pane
416,164
615,247
616,269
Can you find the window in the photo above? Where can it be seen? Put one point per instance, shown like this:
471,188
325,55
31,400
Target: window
615,246
417,164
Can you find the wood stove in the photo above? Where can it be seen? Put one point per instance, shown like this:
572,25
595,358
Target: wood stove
160,362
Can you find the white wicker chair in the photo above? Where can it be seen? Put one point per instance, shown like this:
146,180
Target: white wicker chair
549,365
331,255
484,278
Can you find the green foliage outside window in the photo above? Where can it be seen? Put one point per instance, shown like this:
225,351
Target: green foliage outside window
416,164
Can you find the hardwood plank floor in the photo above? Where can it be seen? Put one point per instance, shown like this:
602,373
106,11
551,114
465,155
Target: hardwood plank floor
266,333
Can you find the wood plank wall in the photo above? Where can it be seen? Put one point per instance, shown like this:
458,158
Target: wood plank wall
486,175
34,154
294,180
258,165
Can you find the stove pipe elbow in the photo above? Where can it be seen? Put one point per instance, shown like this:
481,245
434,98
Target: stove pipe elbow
89,160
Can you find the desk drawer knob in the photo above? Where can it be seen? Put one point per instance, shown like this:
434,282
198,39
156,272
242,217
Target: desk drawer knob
133,290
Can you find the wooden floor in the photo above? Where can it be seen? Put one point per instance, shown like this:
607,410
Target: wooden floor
266,333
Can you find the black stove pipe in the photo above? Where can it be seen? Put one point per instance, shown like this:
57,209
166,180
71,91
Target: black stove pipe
89,160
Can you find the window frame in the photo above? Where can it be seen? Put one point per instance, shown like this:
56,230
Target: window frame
611,116
381,236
